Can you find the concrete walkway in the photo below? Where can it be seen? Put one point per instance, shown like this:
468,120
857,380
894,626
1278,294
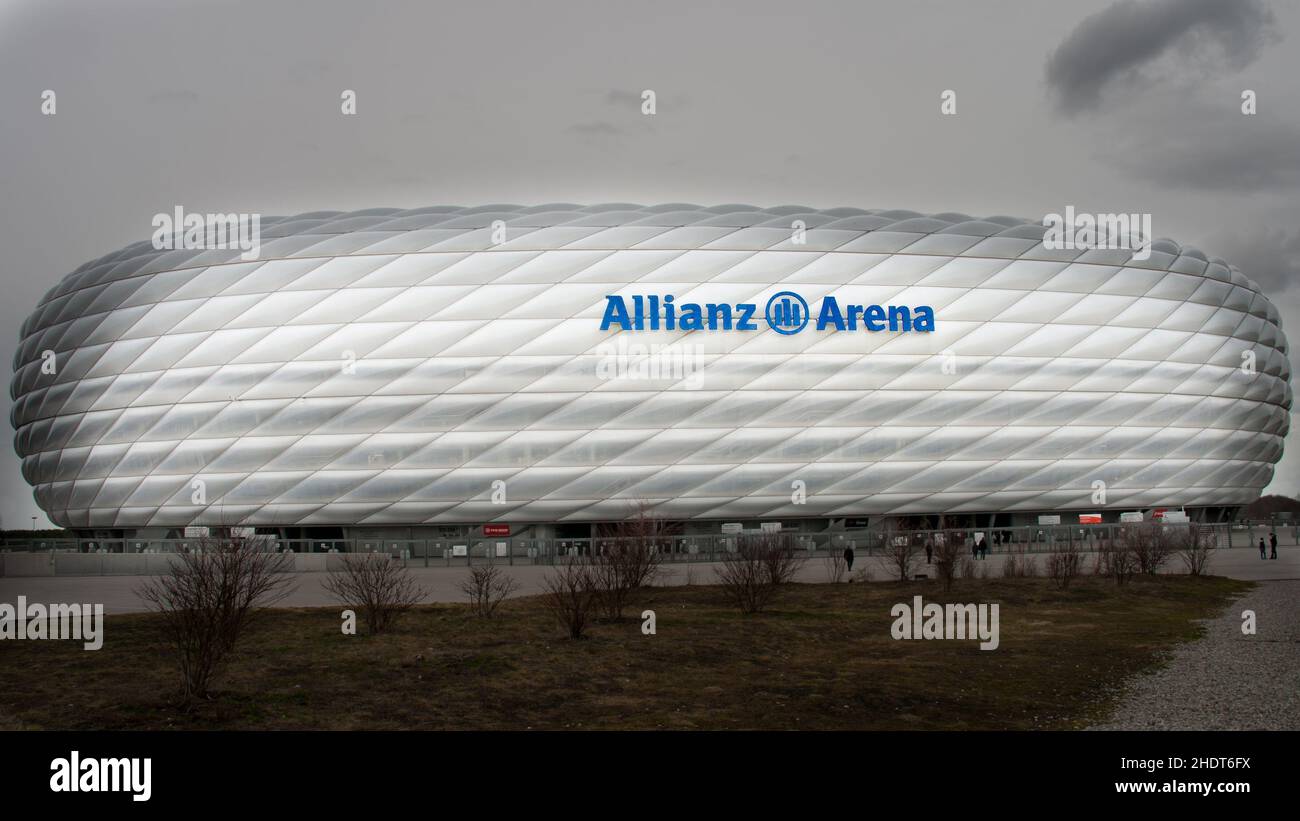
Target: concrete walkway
117,593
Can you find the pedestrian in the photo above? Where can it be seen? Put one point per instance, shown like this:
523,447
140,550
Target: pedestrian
848,558
981,548
975,548
929,550
1261,549
1272,541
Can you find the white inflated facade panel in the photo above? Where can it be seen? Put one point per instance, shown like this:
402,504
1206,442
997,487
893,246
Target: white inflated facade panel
388,366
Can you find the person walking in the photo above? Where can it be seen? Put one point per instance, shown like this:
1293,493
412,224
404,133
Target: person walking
975,549
981,548
929,550
1261,548
1272,542
848,558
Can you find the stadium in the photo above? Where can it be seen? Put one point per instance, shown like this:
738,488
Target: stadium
502,369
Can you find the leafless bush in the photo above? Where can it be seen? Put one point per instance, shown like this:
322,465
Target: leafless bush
862,574
630,557
1150,545
486,586
376,586
1019,563
570,595
1064,563
208,599
949,554
621,566
760,564
1195,548
780,557
835,566
1115,558
901,555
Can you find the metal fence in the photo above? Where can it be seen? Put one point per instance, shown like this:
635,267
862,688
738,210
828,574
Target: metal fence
698,548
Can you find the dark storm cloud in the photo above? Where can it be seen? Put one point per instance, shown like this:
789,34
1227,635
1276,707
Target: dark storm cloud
1119,41
1269,256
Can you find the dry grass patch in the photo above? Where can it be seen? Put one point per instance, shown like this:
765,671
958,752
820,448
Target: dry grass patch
819,657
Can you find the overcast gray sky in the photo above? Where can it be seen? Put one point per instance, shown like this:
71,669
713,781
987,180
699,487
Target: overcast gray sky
234,106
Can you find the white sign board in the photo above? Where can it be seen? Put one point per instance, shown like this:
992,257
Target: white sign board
770,527
1176,517
195,532
459,550
501,549
1049,520
243,532
731,527
1129,518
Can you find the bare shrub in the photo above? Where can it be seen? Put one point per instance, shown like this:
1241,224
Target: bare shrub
1019,563
1115,559
835,566
622,566
1195,547
376,586
760,564
1064,564
780,557
862,574
486,586
1150,545
949,554
630,558
901,555
570,595
208,599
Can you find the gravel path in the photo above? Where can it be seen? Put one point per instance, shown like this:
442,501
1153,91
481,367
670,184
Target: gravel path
1226,680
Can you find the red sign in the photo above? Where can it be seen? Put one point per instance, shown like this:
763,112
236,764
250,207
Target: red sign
1089,518
496,530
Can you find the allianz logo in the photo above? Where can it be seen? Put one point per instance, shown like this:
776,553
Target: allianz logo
786,313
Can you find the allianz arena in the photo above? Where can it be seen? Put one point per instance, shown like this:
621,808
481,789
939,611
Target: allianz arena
445,367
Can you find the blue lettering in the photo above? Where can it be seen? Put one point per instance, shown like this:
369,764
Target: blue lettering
746,322
830,315
615,312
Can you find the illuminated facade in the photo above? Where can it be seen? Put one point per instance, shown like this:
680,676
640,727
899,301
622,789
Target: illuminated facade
389,368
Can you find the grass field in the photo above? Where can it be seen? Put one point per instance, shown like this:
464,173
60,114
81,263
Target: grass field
820,658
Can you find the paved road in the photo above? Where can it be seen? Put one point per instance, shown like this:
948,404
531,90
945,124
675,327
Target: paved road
1226,680
117,593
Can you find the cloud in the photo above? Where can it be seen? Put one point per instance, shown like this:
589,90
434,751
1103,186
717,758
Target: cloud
618,97
1125,38
1243,160
173,96
632,100
598,128
1268,255
1202,142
